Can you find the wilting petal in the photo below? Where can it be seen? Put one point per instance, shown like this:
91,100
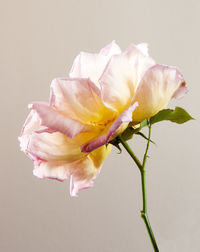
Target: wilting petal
52,169
77,185
158,86
121,77
87,65
57,157
82,172
87,170
54,146
57,122
41,143
31,124
80,100
181,91
125,117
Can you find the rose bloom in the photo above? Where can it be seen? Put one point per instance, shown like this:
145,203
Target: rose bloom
104,92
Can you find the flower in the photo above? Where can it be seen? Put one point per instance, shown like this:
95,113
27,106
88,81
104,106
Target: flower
102,95
56,156
54,133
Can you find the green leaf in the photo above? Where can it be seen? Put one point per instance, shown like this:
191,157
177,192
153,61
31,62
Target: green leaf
145,137
178,115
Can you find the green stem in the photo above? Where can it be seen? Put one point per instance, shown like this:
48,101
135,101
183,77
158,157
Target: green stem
141,167
144,214
147,147
130,152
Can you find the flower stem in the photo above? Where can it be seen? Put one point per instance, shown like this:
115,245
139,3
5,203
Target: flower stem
130,152
141,167
144,214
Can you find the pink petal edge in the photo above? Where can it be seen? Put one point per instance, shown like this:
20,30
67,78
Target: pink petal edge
56,121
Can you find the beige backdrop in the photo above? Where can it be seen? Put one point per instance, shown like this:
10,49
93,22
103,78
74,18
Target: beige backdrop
39,40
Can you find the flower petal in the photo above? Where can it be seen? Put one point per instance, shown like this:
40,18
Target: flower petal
87,65
100,154
81,172
80,100
143,47
88,170
31,124
158,86
121,77
113,131
53,146
76,186
52,169
56,121
110,49
41,144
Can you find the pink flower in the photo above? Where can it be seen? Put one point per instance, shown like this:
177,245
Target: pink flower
103,94
54,132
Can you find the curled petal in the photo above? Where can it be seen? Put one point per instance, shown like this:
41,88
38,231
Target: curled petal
181,91
82,176
42,144
55,121
79,99
53,147
86,171
87,65
158,86
125,117
55,156
77,185
121,77
81,172
52,170
31,124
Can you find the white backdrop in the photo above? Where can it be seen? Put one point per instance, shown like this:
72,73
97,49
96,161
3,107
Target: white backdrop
39,40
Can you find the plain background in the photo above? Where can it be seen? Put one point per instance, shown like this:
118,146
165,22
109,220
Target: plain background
39,40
